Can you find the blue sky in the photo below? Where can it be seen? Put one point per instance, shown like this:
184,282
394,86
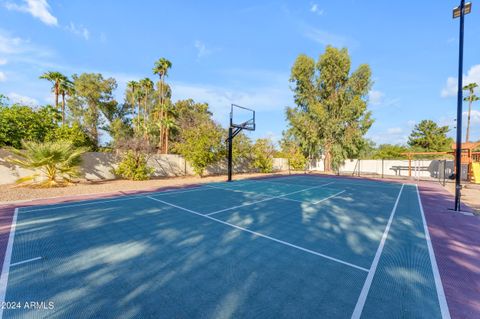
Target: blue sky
241,52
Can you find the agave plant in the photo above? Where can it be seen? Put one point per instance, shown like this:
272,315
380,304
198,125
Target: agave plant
55,163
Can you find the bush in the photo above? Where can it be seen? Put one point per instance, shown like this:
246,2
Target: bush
74,134
19,122
58,162
201,146
134,167
297,160
263,151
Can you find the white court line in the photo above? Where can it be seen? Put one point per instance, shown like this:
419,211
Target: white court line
279,183
6,262
121,198
442,300
266,199
261,235
357,312
282,198
25,261
82,204
319,201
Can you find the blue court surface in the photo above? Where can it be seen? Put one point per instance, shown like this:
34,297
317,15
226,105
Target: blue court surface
285,247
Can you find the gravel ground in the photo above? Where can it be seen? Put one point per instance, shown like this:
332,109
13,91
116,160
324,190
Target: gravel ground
470,194
10,193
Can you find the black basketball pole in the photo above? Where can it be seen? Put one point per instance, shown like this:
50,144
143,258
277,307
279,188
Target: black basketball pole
458,150
230,150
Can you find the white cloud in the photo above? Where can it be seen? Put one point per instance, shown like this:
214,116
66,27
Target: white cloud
376,97
37,8
316,9
474,117
22,99
11,45
327,38
268,98
3,77
17,49
394,130
78,30
202,50
3,61
450,89
392,135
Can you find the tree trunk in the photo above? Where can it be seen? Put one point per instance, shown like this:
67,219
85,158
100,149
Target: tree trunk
56,94
328,159
165,141
467,136
63,108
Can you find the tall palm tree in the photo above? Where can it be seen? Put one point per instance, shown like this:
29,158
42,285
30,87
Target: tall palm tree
168,124
132,87
471,98
161,68
147,88
66,87
55,78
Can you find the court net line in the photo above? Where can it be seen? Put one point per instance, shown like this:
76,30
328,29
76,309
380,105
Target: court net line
25,261
266,199
93,201
261,235
282,198
362,298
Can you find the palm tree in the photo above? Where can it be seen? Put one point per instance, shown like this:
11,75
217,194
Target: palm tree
57,161
147,87
471,98
132,87
168,124
161,68
55,78
66,87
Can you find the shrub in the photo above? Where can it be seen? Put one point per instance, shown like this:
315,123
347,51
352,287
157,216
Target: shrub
297,160
263,151
134,167
201,146
58,162
19,122
73,133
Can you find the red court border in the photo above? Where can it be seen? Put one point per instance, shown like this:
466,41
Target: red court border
455,237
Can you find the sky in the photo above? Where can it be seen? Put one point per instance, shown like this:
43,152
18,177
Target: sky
241,52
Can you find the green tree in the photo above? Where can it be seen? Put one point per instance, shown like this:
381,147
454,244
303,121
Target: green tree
132,96
367,149
262,152
470,98
161,68
19,122
146,90
428,136
3,100
201,145
241,150
66,87
55,163
55,78
189,114
70,133
134,167
93,97
331,106
389,151
293,153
